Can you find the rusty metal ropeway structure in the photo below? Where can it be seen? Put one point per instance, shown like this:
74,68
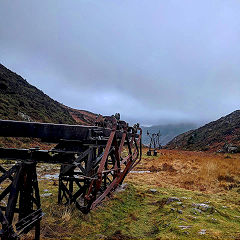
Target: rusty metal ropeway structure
154,143
94,161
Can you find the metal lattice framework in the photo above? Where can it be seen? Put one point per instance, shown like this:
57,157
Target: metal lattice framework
94,161
154,143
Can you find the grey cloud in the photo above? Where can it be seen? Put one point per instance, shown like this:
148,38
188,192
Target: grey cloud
155,61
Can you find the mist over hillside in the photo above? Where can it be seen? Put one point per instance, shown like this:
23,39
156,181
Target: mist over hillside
212,136
168,132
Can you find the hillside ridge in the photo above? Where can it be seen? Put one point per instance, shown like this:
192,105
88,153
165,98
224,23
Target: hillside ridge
20,100
212,136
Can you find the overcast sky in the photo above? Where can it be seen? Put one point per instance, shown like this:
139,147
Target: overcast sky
154,61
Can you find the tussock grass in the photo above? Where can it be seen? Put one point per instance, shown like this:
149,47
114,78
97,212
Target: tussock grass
138,213
202,171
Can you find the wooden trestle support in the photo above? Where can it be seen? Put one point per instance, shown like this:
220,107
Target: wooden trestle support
94,161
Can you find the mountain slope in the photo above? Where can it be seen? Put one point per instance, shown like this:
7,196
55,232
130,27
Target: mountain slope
82,117
21,101
168,132
211,136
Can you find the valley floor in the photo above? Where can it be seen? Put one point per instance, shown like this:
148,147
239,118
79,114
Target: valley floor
176,195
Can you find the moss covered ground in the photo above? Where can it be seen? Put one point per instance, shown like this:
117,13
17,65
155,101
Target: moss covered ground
161,201
143,213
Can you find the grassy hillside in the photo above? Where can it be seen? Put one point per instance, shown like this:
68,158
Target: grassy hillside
212,136
82,117
21,101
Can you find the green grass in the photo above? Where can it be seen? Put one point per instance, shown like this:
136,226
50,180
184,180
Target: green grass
139,214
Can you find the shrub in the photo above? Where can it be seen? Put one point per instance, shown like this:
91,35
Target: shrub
3,86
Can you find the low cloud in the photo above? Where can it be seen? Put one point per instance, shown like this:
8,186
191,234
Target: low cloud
153,61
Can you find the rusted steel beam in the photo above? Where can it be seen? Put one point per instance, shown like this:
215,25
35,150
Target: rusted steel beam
48,131
39,156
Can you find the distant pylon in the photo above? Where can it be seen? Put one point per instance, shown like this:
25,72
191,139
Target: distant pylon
154,143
